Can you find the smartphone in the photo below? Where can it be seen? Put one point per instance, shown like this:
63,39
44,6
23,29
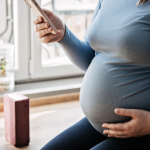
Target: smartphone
37,11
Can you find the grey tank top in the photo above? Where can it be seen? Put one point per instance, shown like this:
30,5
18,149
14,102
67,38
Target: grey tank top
115,54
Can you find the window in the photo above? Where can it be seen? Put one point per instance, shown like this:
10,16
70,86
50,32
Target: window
6,16
51,61
34,60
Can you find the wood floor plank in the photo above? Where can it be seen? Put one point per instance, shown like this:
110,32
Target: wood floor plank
45,123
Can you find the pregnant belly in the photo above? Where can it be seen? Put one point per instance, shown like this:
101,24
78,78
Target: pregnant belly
110,84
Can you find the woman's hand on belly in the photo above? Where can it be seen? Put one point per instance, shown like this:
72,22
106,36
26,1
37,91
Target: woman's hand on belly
138,126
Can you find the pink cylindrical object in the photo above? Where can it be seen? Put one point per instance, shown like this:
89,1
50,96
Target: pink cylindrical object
16,112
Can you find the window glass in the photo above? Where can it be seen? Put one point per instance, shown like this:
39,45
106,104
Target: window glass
76,14
6,17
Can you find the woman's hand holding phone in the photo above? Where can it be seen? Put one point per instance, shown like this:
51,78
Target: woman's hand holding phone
45,32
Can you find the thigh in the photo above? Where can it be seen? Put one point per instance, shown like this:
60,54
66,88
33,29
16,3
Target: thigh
141,143
80,136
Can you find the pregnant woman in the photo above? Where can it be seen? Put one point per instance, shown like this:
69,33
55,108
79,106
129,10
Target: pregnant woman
115,54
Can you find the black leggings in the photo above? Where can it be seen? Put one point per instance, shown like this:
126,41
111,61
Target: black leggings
82,136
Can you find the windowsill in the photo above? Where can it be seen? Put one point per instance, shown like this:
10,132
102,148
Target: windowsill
48,88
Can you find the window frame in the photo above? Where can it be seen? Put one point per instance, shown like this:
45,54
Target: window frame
36,69
28,65
21,19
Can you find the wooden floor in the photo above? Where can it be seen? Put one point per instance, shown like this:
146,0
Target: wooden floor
45,123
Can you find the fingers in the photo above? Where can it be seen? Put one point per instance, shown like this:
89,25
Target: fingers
43,32
48,37
37,20
141,1
121,137
127,112
117,127
113,133
41,26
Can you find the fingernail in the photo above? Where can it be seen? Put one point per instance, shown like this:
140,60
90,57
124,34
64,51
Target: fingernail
117,110
46,25
53,31
103,125
49,29
39,18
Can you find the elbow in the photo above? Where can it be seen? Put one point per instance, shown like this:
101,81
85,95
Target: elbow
83,66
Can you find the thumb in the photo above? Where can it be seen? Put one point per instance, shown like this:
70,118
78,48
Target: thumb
127,112
48,12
